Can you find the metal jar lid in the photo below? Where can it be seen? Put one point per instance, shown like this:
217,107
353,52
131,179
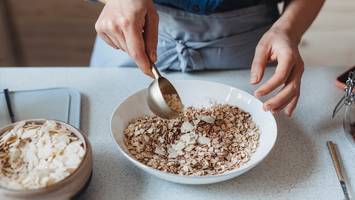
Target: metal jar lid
349,96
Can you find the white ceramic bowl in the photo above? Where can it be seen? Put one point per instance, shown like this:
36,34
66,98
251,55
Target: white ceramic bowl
198,93
64,189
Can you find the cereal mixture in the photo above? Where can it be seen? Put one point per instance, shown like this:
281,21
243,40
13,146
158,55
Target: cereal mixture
201,141
38,155
174,102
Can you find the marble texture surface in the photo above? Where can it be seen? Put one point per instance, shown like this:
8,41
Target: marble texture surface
299,166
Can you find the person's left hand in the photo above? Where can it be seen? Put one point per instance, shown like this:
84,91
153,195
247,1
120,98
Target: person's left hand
278,45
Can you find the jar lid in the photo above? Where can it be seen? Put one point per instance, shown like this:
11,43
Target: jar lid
349,96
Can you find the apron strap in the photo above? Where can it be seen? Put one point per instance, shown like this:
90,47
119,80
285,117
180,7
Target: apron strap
184,52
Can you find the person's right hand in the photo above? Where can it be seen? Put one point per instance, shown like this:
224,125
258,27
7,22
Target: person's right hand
132,26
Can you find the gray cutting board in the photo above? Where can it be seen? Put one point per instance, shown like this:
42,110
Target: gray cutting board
57,103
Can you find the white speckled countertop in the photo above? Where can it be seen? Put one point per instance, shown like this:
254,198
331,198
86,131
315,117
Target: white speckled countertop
299,166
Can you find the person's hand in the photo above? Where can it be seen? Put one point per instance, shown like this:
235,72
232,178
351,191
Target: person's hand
132,26
278,45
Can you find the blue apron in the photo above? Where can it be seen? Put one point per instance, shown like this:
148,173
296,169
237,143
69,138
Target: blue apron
190,42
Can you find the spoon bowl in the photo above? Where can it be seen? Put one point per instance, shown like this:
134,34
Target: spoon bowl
159,88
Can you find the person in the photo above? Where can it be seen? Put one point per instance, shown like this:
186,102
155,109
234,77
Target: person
195,35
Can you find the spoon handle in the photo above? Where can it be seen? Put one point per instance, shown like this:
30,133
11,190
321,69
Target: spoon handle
336,161
155,71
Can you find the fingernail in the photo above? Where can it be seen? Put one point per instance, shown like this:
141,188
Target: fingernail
253,78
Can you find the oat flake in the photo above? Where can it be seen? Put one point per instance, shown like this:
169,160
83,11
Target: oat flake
201,141
38,155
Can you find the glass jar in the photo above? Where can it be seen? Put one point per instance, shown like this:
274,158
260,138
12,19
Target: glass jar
349,123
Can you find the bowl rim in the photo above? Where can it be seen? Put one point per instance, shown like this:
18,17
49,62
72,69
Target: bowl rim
244,168
61,183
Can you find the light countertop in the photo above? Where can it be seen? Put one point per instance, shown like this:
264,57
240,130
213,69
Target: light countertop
299,166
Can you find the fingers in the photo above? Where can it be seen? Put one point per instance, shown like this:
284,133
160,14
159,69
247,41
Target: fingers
117,36
291,106
287,98
282,98
136,48
129,39
283,69
151,35
260,61
110,32
121,25
297,78
107,40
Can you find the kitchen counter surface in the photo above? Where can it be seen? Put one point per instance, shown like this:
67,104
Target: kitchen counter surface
299,166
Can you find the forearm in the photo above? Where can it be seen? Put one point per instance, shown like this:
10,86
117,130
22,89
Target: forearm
298,16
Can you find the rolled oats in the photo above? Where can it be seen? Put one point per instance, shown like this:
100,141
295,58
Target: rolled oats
38,155
173,102
201,141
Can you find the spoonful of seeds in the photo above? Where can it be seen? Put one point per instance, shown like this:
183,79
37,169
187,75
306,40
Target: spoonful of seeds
163,99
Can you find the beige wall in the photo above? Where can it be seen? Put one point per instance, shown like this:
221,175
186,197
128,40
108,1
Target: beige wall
56,33
52,32
331,39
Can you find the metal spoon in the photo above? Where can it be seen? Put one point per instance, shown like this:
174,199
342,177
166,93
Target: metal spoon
156,92
338,168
